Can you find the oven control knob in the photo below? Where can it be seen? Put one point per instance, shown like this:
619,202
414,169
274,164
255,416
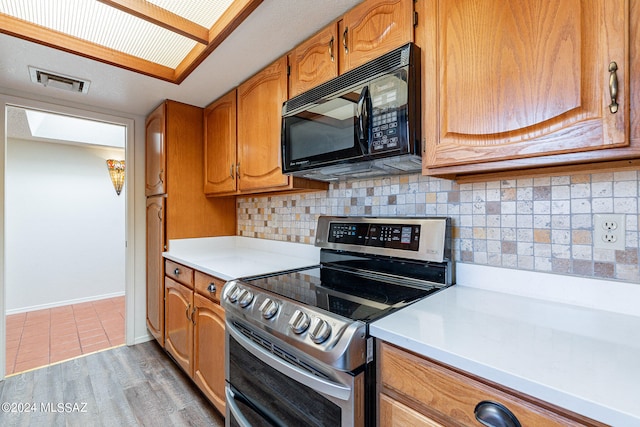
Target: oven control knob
245,297
320,330
232,293
269,308
299,322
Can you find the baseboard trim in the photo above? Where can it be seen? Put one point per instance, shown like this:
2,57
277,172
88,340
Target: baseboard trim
63,303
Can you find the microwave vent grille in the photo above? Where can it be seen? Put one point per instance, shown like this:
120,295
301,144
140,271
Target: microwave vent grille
390,61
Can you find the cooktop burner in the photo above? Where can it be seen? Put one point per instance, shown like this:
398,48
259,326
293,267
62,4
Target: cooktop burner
343,293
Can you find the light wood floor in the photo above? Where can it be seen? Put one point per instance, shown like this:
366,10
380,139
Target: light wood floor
124,386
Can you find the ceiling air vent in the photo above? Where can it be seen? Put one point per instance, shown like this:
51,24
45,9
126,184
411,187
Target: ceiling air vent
60,81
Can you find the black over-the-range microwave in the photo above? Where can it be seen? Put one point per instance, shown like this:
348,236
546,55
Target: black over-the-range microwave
363,123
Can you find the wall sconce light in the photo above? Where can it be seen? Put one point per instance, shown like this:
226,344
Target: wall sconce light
116,171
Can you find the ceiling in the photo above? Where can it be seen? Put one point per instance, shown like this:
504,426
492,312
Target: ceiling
274,27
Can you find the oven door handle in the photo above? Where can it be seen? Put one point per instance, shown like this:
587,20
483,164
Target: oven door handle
233,408
329,388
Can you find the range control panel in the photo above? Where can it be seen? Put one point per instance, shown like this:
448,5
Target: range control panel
394,236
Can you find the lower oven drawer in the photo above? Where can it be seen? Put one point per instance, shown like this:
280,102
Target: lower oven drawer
282,392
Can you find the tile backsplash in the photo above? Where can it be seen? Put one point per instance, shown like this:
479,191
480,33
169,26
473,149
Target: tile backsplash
542,224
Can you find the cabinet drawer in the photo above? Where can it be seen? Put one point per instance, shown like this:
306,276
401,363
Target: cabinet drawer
203,283
179,273
451,397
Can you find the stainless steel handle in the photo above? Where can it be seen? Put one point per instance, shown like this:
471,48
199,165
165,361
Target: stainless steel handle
236,415
186,312
613,87
233,176
212,287
329,388
331,49
176,271
344,40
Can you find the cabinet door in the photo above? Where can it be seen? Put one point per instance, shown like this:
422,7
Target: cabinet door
259,115
209,351
155,270
220,145
315,61
178,312
155,152
519,80
374,28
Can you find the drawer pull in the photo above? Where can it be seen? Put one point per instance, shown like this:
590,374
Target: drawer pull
212,287
493,414
176,271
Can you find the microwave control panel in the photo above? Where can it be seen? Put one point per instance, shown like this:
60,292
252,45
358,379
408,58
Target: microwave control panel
388,110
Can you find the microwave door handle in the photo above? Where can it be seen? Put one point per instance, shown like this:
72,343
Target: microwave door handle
362,128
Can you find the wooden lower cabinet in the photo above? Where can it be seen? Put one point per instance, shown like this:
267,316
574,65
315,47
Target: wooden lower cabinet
208,350
194,329
416,391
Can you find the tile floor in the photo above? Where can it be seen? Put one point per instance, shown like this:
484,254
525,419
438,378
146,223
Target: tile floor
39,338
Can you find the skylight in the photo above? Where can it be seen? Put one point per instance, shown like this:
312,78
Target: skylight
74,129
162,38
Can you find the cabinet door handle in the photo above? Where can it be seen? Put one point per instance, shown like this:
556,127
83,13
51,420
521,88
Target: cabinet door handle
193,315
176,271
186,312
494,414
331,49
613,87
212,287
238,170
344,40
161,176
233,176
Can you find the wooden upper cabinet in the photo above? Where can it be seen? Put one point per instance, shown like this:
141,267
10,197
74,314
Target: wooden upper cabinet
315,61
220,145
374,28
155,152
522,79
260,102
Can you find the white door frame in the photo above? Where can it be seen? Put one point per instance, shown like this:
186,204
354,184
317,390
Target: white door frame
5,101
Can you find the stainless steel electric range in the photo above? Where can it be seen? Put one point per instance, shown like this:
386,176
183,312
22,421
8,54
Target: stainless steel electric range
298,347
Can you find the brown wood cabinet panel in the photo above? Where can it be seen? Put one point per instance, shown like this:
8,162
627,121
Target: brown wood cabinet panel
155,152
189,212
178,313
394,413
202,286
209,350
493,100
372,29
220,146
179,273
259,115
449,397
315,61
155,267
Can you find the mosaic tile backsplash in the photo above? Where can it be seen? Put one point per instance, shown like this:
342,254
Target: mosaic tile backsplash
543,224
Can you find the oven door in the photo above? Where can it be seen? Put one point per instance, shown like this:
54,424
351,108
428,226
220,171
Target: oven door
265,390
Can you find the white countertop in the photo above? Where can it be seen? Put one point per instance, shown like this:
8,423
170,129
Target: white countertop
581,358
231,257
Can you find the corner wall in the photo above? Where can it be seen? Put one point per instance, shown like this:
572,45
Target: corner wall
65,234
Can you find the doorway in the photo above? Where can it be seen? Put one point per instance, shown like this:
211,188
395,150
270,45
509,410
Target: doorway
65,256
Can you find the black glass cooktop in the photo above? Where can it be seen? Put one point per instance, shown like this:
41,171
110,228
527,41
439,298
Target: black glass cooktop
357,295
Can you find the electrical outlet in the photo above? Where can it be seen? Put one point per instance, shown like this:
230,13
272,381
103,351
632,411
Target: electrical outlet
609,231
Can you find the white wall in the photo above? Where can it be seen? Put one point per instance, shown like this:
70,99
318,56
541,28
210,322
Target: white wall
65,225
